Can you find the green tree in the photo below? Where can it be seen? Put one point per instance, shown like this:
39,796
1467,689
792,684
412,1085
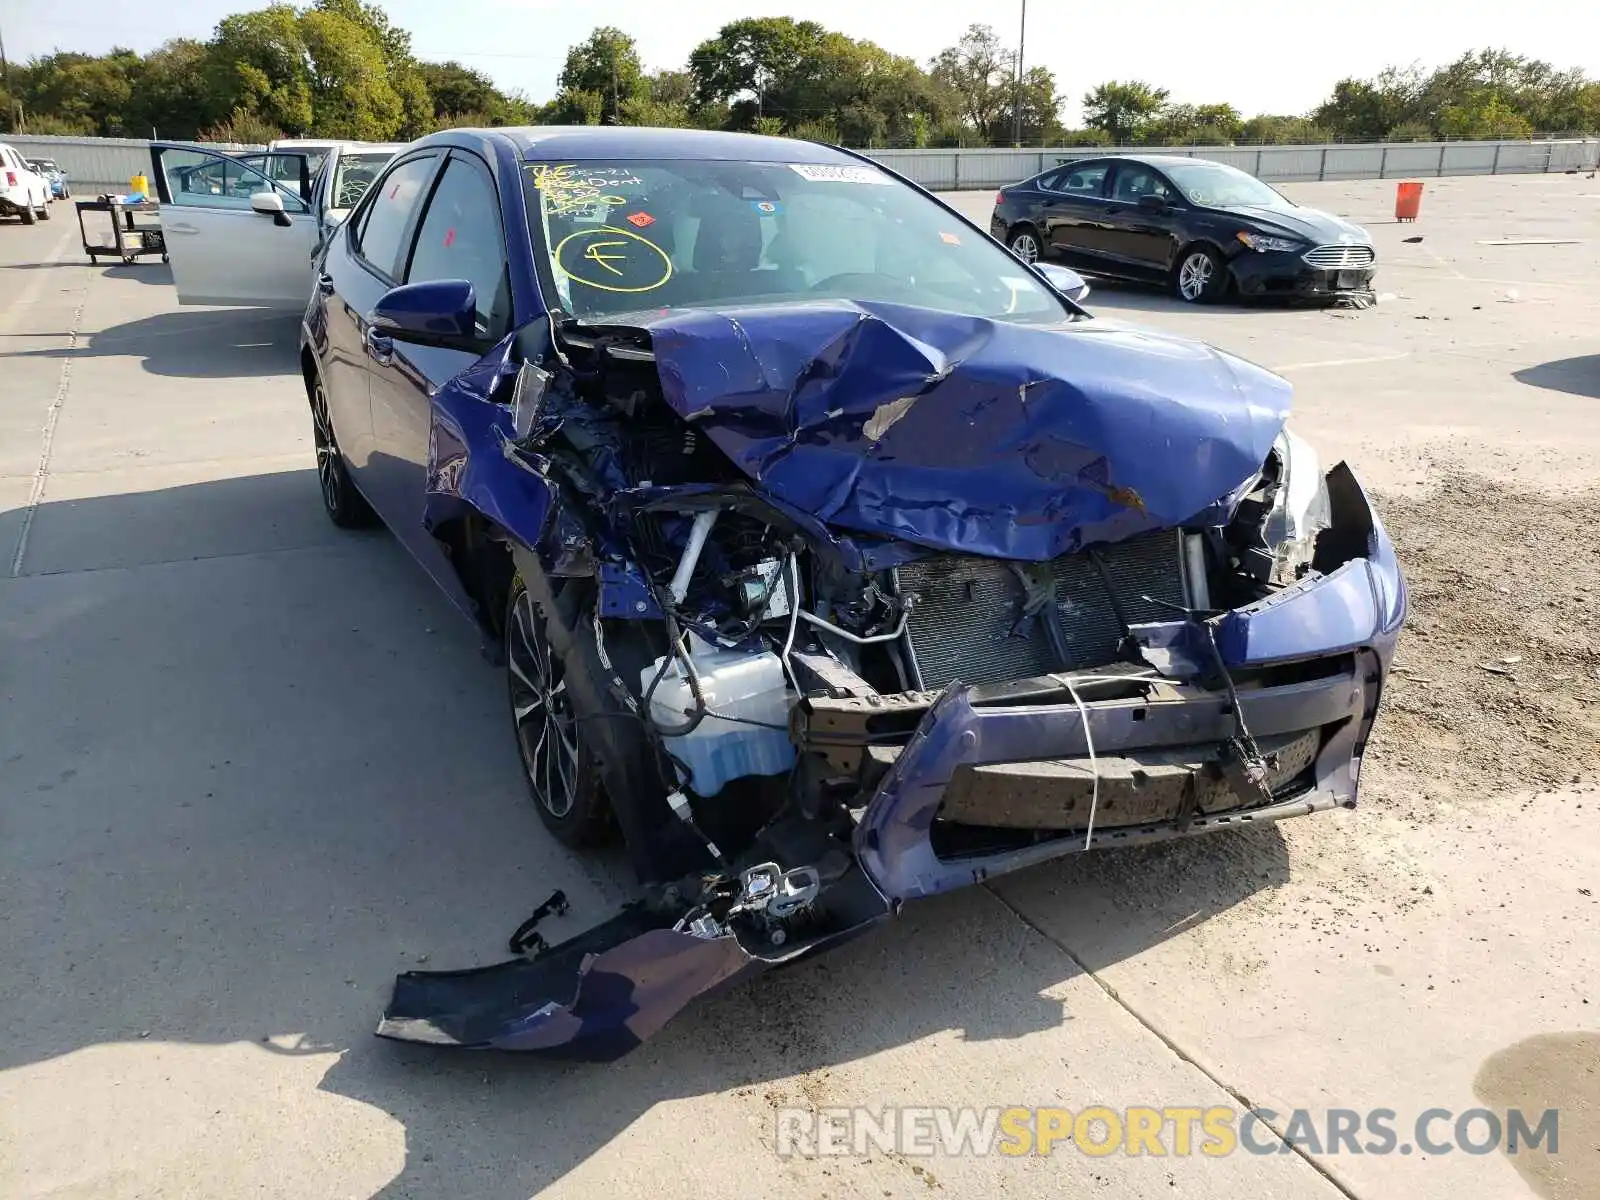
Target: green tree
351,95
574,107
1487,115
1194,125
1365,110
260,64
174,96
1041,111
658,113
670,87
605,63
1122,110
978,72
749,55
458,89
81,91
1267,129
243,128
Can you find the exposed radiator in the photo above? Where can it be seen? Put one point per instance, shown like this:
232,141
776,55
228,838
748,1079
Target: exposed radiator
967,623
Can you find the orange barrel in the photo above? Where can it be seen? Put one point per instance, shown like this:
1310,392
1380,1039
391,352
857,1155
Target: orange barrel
1407,200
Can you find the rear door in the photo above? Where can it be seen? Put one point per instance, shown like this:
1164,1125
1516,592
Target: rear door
1072,222
459,236
222,250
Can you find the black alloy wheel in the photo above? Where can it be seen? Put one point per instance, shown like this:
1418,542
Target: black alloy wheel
556,763
346,507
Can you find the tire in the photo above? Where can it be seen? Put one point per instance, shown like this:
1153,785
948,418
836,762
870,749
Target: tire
1023,241
66,193
29,216
346,507
44,213
558,765
1201,277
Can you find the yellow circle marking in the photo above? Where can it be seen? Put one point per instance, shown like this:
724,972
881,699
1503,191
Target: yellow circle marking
603,252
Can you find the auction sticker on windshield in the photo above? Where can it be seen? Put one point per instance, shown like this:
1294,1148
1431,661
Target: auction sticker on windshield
820,173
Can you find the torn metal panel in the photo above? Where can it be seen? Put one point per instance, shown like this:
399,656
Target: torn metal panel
1007,440
471,458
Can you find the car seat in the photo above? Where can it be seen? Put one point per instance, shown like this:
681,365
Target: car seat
727,261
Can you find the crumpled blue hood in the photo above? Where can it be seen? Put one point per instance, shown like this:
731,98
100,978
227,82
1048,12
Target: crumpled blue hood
965,433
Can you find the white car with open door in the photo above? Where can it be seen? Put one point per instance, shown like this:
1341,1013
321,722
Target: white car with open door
236,234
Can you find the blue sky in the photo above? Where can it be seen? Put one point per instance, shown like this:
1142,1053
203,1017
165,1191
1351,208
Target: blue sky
1257,56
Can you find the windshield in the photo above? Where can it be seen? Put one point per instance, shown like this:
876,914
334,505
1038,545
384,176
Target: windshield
353,174
624,235
1217,186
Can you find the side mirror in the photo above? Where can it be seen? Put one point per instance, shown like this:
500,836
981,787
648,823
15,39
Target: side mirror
1152,203
440,312
1064,280
270,204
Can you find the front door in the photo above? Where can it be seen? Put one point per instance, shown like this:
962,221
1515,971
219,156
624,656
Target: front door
223,251
366,258
1141,236
459,236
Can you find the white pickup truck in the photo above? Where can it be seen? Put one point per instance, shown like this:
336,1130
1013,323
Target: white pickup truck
23,191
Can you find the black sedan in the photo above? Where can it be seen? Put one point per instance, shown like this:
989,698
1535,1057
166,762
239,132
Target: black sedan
1203,228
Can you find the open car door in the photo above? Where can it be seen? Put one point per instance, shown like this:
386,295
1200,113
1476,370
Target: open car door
235,234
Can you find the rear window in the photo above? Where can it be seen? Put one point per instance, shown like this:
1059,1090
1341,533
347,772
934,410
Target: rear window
620,236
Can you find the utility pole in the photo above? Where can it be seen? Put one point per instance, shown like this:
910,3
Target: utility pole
5,67
1022,38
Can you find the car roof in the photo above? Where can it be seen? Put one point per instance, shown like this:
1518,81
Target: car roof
1148,160
534,142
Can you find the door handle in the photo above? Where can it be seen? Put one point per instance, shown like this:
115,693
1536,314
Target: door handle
179,227
379,346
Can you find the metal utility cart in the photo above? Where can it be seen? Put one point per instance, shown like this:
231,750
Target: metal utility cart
131,238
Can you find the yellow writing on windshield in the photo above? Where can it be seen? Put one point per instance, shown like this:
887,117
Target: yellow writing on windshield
612,260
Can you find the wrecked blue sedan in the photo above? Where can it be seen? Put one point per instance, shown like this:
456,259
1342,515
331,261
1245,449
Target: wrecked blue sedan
834,556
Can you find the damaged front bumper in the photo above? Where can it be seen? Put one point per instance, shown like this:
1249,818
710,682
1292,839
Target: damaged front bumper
960,800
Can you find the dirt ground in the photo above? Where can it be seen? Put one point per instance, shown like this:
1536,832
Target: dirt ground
1497,685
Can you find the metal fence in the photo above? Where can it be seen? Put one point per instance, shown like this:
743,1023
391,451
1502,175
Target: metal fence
954,170
106,164
94,165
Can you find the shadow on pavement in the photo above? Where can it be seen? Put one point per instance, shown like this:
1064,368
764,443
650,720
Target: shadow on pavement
146,270
1578,376
197,344
243,792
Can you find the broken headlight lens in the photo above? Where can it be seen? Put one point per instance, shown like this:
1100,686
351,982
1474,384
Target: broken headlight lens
1262,242
1300,509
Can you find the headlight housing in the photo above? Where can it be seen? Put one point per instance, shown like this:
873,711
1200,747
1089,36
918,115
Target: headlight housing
1262,242
1300,508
